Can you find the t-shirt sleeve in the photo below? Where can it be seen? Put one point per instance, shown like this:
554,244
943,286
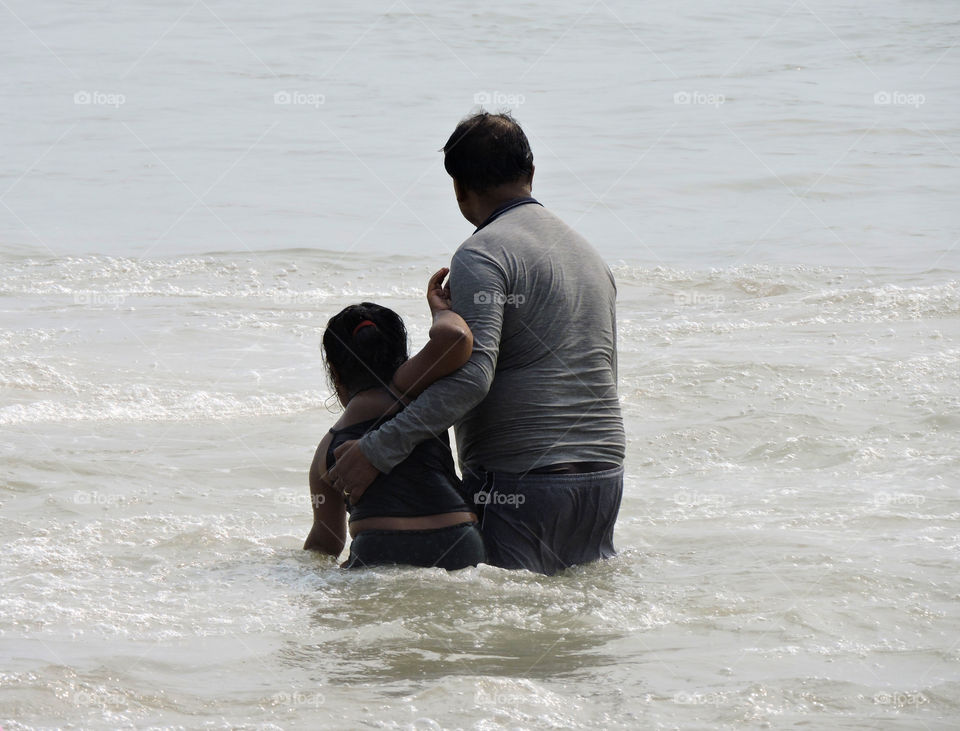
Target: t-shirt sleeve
478,287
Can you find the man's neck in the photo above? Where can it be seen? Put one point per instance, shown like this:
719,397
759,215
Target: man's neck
491,202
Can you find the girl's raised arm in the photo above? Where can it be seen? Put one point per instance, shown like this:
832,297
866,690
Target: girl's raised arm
449,347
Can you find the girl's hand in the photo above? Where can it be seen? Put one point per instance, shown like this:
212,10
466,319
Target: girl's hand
438,295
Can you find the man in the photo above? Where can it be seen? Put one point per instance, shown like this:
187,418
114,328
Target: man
538,426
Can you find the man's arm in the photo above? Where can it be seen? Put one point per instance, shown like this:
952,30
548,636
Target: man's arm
478,287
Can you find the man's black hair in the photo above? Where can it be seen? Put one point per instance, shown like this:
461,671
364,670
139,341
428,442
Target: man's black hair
487,150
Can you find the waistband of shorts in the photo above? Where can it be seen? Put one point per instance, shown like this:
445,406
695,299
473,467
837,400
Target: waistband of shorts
418,531
490,478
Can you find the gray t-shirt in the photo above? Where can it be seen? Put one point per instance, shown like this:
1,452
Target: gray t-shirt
541,385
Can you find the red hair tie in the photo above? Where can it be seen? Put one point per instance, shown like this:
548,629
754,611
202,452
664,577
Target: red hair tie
363,324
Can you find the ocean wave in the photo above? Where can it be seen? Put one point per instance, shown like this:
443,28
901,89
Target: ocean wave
139,403
275,277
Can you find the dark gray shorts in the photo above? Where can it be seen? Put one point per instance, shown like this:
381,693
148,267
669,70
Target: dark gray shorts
543,522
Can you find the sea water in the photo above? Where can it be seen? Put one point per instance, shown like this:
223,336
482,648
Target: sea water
189,190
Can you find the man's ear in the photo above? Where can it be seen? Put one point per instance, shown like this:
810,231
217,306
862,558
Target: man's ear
458,190
533,169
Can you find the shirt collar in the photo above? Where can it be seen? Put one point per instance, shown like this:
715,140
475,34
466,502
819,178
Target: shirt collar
501,209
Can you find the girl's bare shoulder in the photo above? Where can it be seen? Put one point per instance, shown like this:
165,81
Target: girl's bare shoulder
368,405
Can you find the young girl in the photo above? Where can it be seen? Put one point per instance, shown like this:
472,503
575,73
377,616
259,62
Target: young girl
415,514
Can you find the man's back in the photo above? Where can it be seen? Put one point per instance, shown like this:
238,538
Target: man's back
541,304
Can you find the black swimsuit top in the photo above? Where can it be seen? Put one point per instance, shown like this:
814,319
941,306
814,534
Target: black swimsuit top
425,483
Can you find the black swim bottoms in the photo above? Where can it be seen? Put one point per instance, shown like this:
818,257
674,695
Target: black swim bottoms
454,547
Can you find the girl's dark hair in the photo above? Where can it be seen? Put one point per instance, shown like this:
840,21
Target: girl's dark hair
369,356
487,150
